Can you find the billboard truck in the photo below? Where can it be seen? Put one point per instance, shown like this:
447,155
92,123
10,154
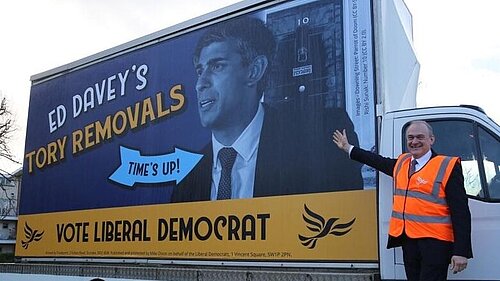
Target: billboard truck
204,151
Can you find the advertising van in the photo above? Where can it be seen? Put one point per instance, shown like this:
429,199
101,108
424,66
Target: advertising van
126,173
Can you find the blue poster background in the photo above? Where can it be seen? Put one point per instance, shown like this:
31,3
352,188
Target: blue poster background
310,69
80,181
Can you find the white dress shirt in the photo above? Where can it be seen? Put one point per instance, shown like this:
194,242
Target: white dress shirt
422,160
243,173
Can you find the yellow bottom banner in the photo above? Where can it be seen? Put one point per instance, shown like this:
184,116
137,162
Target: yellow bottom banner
329,227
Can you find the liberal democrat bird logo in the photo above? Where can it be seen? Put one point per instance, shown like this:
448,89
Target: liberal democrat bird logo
316,223
31,235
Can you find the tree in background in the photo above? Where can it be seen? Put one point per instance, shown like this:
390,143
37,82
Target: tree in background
6,130
7,197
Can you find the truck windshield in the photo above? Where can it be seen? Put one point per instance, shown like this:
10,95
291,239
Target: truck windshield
479,151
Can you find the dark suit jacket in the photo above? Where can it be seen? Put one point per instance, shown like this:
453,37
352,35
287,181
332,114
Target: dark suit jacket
455,197
296,155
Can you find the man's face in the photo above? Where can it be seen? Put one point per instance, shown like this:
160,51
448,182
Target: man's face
418,139
223,97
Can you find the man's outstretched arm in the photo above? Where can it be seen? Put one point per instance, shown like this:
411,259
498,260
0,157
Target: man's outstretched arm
383,164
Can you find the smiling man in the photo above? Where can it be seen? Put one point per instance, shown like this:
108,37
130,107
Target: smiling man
430,217
254,150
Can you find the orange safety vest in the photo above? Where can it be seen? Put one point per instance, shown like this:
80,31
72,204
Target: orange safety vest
420,208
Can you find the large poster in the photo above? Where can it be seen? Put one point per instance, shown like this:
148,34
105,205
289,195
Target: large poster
212,145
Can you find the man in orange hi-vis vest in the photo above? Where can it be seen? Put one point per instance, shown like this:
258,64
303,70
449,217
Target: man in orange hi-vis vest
430,214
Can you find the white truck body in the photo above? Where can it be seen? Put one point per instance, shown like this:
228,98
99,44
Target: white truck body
396,75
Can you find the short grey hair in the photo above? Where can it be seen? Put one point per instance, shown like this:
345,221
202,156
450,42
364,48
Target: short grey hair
429,127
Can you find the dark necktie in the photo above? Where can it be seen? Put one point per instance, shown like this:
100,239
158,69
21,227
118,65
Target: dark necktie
227,155
412,166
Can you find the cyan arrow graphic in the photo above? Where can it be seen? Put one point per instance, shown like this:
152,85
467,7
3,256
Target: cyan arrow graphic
154,169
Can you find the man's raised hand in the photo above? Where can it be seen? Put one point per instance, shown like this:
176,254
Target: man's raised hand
340,139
